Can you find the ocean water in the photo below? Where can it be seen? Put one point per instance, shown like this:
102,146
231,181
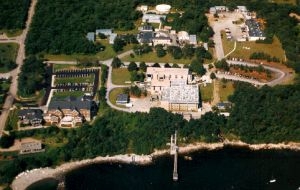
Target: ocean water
229,168
45,184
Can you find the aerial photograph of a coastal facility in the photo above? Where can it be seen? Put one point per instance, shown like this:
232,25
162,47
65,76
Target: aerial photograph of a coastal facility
150,94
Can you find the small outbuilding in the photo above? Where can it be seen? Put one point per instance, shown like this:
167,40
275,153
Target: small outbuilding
122,99
193,39
112,38
91,36
31,147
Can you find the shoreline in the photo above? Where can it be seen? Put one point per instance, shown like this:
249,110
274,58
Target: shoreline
26,178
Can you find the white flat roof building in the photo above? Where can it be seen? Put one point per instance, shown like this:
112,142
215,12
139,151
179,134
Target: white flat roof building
112,38
242,9
180,92
163,8
180,97
172,87
153,18
144,8
163,76
193,39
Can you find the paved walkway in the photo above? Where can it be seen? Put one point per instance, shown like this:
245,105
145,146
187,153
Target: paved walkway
12,94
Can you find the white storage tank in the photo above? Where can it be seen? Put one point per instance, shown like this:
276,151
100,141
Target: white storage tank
163,8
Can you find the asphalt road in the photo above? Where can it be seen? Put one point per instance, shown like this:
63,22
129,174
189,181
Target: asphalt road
12,94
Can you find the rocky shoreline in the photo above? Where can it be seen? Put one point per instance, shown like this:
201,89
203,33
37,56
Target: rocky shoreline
25,179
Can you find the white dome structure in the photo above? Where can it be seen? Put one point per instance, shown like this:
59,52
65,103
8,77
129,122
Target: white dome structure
183,36
163,8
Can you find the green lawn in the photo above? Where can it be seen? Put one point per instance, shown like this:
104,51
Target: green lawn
8,52
113,96
225,90
120,76
57,67
274,49
152,57
4,84
207,92
12,33
12,120
61,95
228,45
108,53
88,79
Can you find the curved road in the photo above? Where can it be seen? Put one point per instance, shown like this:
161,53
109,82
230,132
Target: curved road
282,75
14,73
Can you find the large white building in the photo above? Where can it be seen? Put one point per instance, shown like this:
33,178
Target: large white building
180,97
172,87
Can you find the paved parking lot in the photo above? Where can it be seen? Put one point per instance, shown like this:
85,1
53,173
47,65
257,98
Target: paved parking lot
80,86
219,24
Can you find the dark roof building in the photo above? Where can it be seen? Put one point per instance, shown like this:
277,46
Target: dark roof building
71,103
146,28
70,110
122,99
31,116
145,37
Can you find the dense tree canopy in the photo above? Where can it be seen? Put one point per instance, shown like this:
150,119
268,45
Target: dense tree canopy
13,14
32,76
266,114
60,26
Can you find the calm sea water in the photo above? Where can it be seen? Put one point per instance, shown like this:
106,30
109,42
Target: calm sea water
229,168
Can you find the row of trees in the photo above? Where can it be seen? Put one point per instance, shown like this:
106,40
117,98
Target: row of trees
264,56
13,14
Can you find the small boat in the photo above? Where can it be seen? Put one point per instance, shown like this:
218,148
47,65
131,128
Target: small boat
272,180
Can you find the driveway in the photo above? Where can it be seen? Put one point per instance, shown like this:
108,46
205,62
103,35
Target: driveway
12,94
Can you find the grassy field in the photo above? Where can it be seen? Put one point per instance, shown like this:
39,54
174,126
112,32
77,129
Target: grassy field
228,45
225,89
8,51
61,95
12,33
12,120
108,53
120,76
152,57
88,79
113,96
4,84
207,92
274,49
57,67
